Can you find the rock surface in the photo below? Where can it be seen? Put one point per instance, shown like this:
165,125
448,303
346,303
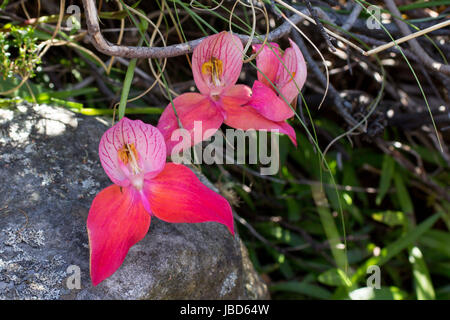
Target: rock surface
49,174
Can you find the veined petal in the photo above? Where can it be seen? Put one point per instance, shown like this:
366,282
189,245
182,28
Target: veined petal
146,140
192,108
268,61
292,76
117,220
268,104
177,195
217,63
246,118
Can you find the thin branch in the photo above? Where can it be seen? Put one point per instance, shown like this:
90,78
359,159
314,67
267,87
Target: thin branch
339,103
413,43
352,17
408,36
104,46
319,25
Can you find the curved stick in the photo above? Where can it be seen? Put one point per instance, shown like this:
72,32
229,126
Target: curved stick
104,46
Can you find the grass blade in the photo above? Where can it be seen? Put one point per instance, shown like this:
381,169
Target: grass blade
394,248
387,171
422,281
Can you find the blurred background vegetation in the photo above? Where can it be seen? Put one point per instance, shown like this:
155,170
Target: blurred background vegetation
368,183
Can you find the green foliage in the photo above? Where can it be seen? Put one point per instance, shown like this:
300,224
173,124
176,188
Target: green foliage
4,4
18,52
335,278
305,289
400,233
384,293
387,171
391,218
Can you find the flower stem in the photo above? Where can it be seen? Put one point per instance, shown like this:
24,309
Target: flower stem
129,75
126,87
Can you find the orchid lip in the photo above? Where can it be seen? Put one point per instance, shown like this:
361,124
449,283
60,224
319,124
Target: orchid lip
129,164
130,151
137,181
129,155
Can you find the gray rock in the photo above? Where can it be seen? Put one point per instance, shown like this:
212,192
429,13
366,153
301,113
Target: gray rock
49,174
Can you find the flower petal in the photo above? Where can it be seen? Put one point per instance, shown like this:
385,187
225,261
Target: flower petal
117,220
246,118
267,103
225,48
238,94
176,195
147,140
292,76
191,107
268,61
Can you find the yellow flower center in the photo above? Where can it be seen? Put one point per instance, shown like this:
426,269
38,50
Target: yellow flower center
214,69
128,155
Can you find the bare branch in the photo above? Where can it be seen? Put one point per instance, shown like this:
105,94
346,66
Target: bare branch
352,17
414,44
104,46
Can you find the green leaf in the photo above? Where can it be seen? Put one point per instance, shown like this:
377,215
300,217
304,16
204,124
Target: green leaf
387,171
384,293
302,288
280,234
293,209
50,96
391,218
286,269
403,194
357,255
350,178
424,4
330,126
422,281
441,268
395,247
443,293
430,155
437,240
305,156
334,277
4,4
331,231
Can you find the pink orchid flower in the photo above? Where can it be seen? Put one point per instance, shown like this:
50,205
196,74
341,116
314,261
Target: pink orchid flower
133,155
285,71
216,66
